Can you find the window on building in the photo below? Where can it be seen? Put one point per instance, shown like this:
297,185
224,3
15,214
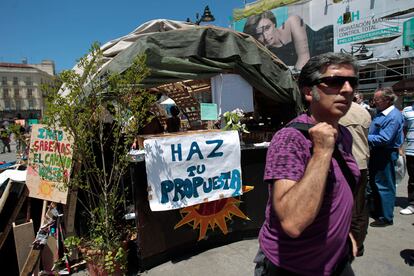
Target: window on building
5,93
16,93
4,80
15,81
32,103
29,81
394,73
367,76
30,93
7,104
18,104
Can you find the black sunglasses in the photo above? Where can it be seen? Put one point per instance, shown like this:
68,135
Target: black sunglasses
337,81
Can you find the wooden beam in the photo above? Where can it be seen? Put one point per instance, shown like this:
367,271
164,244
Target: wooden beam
35,251
69,210
22,197
31,261
5,195
23,238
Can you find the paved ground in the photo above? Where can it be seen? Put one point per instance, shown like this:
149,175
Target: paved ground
386,250
386,253
8,156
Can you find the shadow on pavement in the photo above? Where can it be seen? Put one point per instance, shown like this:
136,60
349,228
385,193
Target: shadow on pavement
408,256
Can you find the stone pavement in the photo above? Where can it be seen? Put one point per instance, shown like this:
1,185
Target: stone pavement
386,252
8,156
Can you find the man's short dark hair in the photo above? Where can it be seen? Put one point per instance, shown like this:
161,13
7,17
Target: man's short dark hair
317,65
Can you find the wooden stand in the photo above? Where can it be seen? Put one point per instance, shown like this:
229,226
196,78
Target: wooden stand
31,261
23,238
21,192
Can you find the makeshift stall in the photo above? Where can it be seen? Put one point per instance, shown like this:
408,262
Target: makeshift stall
205,71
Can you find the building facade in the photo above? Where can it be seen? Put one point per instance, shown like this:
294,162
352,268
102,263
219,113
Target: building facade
395,73
21,96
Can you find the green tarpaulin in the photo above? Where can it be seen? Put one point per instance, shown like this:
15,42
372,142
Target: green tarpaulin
202,52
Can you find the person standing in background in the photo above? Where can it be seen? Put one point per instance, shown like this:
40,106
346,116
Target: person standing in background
385,138
174,122
5,138
357,120
408,113
359,99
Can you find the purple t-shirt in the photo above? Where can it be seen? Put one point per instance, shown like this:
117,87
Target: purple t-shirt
323,243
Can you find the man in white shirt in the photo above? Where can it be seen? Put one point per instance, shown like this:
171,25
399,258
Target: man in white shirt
408,113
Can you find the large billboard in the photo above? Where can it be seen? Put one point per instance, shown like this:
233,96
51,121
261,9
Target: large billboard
374,30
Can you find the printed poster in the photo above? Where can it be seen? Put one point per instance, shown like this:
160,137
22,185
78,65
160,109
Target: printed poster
189,169
370,30
208,111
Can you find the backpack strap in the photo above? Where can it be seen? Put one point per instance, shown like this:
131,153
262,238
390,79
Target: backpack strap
304,129
345,169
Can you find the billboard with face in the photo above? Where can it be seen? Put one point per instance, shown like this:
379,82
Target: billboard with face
370,30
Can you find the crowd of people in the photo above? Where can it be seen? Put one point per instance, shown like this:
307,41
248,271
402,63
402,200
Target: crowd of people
5,139
13,132
329,170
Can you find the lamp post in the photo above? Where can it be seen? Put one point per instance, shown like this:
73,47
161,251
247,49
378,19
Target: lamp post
206,17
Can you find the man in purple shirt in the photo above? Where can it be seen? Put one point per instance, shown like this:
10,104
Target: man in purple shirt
308,214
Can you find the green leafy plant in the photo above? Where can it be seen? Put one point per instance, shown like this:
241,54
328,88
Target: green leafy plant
103,111
233,121
72,242
19,137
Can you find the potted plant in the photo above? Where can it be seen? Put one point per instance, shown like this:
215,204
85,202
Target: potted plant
233,121
103,112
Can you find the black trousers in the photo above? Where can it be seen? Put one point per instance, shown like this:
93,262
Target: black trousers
264,267
6,145
410,185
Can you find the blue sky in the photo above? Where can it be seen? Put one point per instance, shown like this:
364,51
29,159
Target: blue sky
64,30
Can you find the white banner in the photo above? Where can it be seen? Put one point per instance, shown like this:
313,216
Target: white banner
190,169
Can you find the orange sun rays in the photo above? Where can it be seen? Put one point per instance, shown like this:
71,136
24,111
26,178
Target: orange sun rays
204,222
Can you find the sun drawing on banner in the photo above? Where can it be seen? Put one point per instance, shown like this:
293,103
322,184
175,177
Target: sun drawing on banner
211,214
46,188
